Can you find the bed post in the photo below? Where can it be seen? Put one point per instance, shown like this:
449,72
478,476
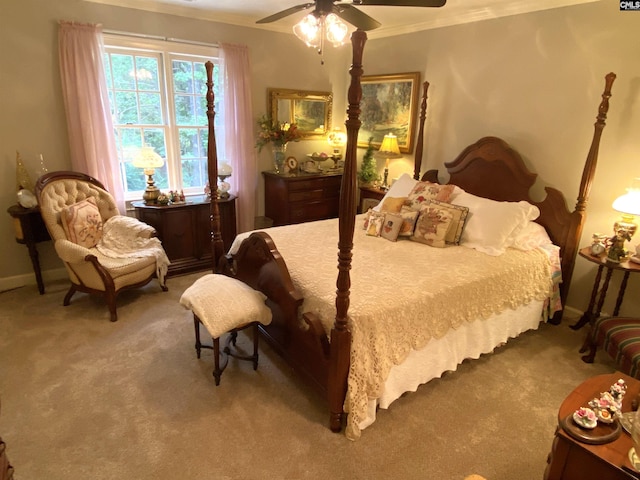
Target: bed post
340,334
417,163
579,213
217,247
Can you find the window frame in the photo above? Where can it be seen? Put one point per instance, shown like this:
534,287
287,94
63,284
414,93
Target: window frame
167,51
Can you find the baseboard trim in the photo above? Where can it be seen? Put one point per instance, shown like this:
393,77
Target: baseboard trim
17,281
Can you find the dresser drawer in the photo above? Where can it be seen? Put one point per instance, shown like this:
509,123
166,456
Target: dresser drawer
332,181
309,212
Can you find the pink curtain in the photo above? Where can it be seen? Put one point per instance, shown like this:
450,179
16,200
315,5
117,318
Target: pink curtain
239,137
84,89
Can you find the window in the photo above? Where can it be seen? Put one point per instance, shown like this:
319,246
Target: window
157,94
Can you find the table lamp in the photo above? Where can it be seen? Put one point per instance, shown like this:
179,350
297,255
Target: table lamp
224,172
389,149
149,160
628,205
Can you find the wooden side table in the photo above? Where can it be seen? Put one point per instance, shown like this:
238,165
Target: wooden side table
571,459
185,230
29,230
593,311
369,194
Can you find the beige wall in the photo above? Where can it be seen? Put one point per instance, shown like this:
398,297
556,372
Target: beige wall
534,80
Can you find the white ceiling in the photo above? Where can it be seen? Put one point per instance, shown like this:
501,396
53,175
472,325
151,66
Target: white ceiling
395,20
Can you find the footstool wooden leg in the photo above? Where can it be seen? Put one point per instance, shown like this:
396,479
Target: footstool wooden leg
255,346
216,359
196,324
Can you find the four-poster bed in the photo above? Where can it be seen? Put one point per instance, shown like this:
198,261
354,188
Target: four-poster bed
347,354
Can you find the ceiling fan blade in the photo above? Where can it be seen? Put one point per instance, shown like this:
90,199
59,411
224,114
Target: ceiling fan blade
355,17
402,3
285,13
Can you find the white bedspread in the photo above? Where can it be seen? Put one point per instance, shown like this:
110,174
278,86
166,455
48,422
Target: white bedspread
402,294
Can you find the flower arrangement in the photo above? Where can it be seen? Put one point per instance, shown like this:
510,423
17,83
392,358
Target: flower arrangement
276,133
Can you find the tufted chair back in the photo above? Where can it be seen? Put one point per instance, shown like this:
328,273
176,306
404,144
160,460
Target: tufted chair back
57,190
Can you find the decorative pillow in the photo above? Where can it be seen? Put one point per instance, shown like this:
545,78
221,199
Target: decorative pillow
82,223
391,226
392,204
409,217
533,235
400,188
491,224
375,224
424,191
432,225
459,214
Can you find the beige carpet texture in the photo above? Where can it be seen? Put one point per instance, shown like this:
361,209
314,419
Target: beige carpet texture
87,399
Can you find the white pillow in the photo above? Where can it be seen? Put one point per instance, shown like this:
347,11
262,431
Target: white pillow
491,225
400,188
533,235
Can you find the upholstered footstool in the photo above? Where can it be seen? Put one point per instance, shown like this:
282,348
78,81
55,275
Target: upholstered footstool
620,338
225,305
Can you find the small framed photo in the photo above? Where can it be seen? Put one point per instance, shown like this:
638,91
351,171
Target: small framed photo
292,164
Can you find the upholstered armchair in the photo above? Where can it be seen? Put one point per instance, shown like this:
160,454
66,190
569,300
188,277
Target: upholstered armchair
104,252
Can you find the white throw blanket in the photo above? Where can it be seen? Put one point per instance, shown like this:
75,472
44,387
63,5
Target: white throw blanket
122,237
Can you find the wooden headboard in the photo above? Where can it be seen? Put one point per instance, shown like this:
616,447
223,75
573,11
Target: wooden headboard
490,168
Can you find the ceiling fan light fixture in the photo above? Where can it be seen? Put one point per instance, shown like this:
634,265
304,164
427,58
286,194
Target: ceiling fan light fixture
337,30
309,30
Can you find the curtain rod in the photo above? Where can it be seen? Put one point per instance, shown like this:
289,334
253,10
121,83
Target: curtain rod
159,37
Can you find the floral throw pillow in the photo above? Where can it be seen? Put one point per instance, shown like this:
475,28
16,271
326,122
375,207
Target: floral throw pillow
82,223
459,214
432,226
424,191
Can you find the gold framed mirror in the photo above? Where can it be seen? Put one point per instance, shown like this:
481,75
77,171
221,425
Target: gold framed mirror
309,110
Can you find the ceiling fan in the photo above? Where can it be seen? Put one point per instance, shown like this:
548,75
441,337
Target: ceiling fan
348,12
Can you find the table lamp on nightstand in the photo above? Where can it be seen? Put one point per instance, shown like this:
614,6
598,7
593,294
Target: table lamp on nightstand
628,205
149,160
388,150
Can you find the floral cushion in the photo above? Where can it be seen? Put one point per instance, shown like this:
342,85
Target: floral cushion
425,191
82,223
432,225
459,214
391,226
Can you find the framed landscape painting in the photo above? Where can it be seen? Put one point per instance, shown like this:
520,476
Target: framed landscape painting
389,105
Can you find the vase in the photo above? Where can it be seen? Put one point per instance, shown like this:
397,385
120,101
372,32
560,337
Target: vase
279,152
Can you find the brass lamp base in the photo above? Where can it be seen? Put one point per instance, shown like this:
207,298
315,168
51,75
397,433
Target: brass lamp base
151,193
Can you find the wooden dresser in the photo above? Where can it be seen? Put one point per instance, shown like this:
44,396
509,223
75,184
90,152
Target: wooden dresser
185,230
302,197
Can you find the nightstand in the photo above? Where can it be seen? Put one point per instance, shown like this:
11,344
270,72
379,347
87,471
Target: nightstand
185,230
29,230
593,310
369,197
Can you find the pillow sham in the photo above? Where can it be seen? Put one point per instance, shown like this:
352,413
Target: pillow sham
391,226
82,223
432,226
533,235
422,192
400,188
491,224
459,214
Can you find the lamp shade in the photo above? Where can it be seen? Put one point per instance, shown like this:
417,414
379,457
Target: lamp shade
148,159
389,147
629,203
